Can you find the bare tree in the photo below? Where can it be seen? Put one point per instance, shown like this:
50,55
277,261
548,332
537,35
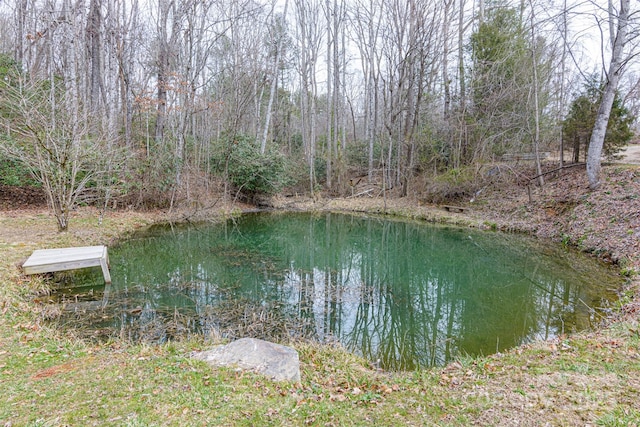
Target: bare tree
309,40
238,67
616,65
274,80
94,49
446,80
169,24
367,24
410,54
536,99
335,14
127,30
55,143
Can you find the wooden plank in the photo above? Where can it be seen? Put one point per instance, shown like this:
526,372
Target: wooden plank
48,256
50,260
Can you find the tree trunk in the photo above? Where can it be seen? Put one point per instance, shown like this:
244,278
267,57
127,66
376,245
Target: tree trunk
534,63
604,110
274,85
461,44
94,47
562,78
329,117
445,60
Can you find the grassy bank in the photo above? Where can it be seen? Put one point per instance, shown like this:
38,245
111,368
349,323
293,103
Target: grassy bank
51,379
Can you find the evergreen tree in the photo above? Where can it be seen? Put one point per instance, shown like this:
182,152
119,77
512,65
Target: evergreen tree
578,126
503,110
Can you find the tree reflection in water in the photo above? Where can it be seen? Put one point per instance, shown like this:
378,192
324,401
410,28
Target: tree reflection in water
401,293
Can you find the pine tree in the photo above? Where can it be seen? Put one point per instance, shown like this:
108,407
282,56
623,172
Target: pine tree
578,126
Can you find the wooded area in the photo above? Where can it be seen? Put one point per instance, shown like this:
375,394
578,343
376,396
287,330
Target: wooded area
155,102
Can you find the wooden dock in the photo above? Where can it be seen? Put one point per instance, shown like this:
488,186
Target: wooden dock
50,260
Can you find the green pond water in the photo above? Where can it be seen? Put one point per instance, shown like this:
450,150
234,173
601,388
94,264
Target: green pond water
402,294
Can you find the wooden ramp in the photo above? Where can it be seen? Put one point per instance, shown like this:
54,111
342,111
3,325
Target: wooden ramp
50,260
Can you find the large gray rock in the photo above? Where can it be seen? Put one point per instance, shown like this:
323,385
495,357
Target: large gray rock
279,362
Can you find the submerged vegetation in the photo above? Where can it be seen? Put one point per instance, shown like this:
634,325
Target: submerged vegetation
403,294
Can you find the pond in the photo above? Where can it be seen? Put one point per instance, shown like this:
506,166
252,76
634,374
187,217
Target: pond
402,294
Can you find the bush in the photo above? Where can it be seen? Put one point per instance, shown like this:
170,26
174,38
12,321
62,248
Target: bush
454,185
249,171
15,174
